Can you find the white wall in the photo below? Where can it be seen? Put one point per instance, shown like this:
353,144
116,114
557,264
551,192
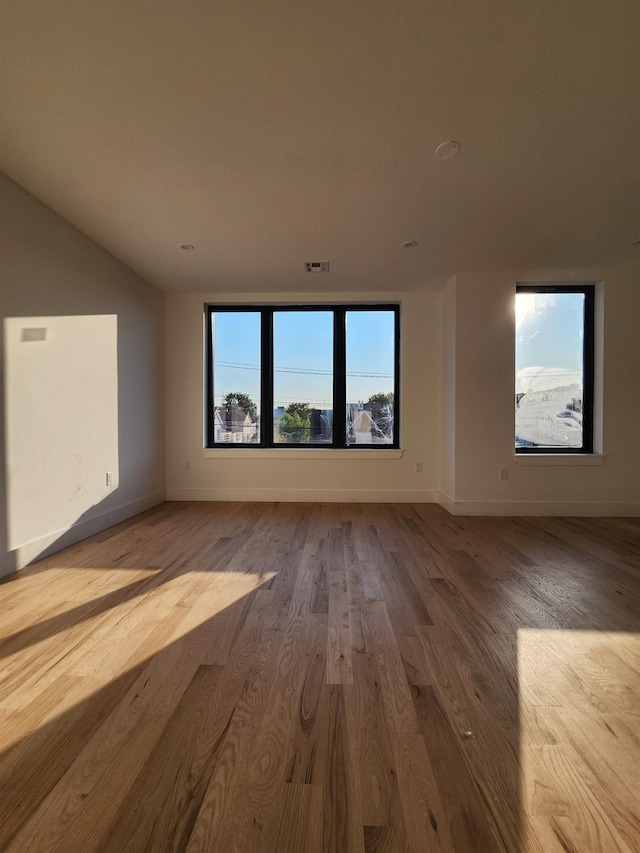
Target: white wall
87,397
484,389
55,366
292,475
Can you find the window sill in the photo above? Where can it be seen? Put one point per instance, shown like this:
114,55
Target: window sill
561,459
298,453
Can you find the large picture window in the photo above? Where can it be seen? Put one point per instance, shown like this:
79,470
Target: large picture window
554,369
301,376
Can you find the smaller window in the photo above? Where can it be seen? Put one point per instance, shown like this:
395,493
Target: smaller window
554,369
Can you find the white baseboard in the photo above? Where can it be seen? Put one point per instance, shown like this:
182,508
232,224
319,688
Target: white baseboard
581,509
496,508
59,539
305,495
447,503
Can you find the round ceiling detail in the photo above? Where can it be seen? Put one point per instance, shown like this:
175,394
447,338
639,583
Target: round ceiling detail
447,149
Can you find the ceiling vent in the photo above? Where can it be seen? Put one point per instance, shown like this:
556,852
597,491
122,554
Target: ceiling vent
316,266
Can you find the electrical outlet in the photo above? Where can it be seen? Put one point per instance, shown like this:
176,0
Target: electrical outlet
187,465
503,473
109,478
418,467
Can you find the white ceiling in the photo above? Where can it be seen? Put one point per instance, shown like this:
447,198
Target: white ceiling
271,133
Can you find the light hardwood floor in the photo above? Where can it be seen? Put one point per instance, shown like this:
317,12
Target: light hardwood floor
324,677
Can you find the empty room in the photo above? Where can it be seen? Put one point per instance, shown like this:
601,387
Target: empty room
319,426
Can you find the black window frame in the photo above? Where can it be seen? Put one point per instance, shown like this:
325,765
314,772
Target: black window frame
266,437
588,367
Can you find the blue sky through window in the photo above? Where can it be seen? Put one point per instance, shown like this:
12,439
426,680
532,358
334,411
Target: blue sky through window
549,339
236,347
303,355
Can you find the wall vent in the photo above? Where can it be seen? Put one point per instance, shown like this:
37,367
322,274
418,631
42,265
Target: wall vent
39,334
316,266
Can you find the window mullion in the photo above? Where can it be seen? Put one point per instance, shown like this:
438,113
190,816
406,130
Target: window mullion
339,377
266,377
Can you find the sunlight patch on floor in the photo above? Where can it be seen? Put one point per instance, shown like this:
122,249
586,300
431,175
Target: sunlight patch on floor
572,682
45,678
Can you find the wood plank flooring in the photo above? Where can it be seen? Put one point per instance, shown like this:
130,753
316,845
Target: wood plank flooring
315,678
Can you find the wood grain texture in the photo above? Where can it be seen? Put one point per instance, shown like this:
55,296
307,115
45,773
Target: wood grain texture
304,678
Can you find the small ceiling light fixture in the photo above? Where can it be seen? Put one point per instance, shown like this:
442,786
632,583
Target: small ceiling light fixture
316,266
186,247
409,244
447,149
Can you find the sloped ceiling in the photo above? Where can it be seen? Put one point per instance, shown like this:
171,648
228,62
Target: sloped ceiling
271,133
